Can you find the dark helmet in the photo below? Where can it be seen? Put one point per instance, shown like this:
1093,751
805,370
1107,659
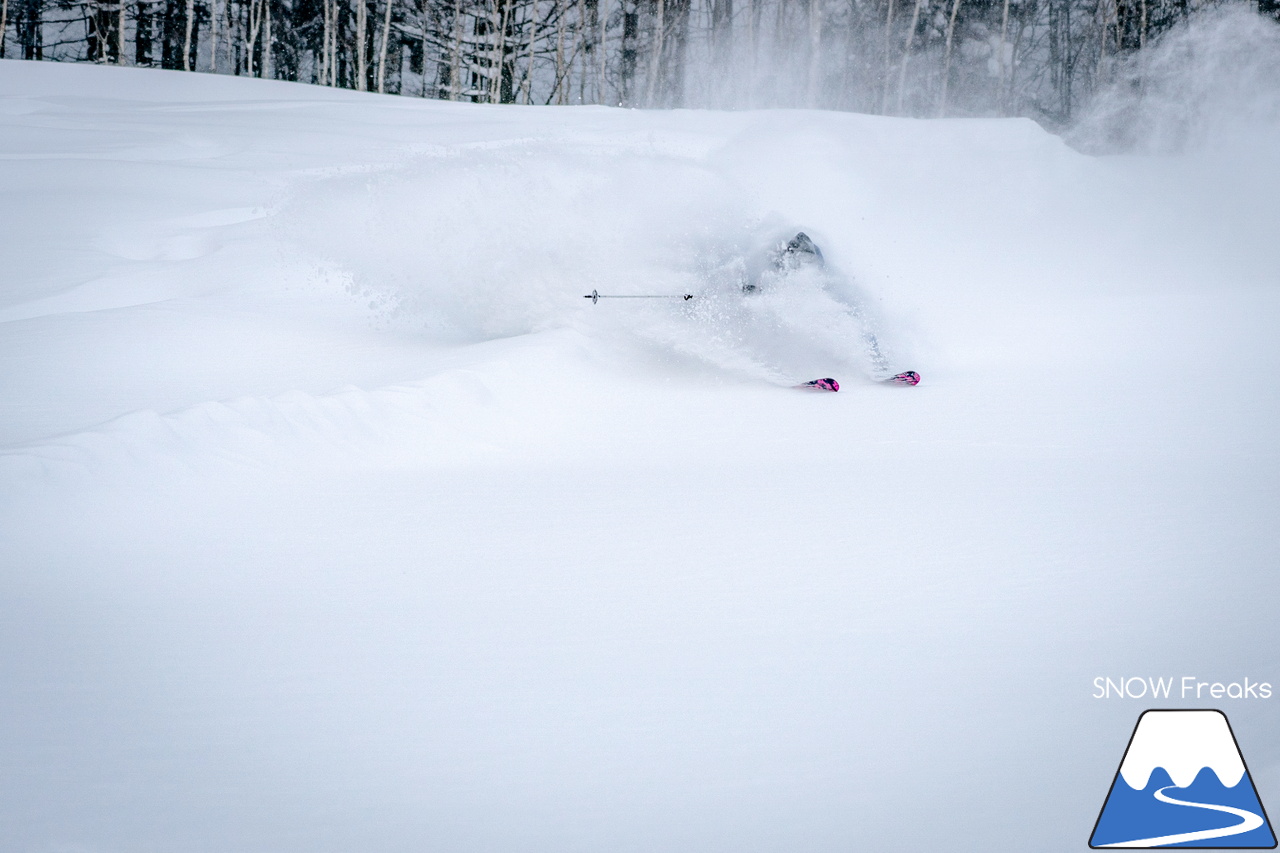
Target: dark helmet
799,251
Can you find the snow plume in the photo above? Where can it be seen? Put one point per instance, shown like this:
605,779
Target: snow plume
1210,84
505,239
806,324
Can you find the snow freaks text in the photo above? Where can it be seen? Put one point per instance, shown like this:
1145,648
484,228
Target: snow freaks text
1186,687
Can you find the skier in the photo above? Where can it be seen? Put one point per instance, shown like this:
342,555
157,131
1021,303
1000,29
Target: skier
800,253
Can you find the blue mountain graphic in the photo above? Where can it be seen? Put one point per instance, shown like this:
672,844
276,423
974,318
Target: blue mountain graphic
1131,814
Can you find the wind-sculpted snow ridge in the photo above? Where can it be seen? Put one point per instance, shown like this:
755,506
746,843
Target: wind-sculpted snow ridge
457,415
255,431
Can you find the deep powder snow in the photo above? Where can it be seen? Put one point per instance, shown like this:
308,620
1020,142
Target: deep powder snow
334,518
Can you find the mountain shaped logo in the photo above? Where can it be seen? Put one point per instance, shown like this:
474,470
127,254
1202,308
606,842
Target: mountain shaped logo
1183,783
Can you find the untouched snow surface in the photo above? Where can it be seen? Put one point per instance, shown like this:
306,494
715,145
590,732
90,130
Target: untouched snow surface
332,518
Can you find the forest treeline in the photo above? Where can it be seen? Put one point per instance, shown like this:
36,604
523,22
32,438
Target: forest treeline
1039,58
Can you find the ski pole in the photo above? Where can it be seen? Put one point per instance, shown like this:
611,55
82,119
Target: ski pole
596,297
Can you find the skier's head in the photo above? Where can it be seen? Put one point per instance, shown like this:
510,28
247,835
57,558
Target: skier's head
798,252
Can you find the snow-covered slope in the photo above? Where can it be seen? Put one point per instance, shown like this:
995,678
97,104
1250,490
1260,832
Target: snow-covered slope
334,518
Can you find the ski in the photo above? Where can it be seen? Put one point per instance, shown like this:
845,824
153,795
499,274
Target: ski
910,377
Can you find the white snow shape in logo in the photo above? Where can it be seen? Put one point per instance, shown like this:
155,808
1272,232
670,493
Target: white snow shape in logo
1183,743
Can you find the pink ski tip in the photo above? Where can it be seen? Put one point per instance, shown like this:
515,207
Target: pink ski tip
908,378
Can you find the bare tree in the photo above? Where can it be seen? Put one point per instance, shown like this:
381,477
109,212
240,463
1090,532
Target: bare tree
721,48
814,76
382,47
906,54
190,17
603,24
560,92
629,52
213,35
526,85
655,56
362,57
1004,54
946,61
888,39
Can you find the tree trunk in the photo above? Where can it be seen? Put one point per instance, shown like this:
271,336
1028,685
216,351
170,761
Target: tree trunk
509,55
1014,45
888,41
455,62
333,43
186,37
628,54
95,38
946,58
4,24
31,31
382,48
213,36
362,32
267,43
602,21
906,55
583,49
559,94
526,85
169,36
655,59
675,58
251,39
322,64
142,34
815,52
498,66
120,60
425,7
1003,93
721,51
